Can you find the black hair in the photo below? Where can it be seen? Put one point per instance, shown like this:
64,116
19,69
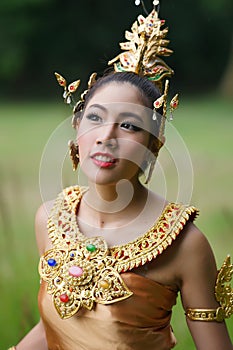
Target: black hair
147,89
149,92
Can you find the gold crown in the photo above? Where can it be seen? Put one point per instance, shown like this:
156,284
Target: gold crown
146,42
142,55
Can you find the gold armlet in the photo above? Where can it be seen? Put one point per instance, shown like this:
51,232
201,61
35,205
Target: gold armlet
206,314
223,294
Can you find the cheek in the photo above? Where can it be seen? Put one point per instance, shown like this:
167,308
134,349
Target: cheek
134,151
84,142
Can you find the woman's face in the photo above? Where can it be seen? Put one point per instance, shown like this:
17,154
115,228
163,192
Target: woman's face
113,134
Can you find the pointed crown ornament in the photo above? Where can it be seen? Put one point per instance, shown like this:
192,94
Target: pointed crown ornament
141,54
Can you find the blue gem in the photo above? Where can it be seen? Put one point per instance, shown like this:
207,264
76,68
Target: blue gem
52,262
72,255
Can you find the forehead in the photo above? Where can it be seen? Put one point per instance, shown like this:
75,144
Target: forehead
117,93
120,98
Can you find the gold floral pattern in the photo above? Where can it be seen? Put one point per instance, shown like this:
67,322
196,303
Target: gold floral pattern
82,271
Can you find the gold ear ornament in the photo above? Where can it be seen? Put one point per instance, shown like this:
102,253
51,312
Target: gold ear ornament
74,155
150,170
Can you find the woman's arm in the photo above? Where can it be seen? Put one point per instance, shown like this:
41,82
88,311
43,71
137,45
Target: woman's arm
35,339
198,274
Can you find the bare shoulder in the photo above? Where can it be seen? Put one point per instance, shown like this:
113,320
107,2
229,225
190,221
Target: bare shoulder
195,242
194,246
41,220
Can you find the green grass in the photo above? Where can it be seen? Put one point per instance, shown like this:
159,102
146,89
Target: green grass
206,126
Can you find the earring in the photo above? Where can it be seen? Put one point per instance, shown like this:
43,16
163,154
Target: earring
74,155
150,170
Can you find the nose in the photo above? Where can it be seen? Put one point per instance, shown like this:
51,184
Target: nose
111,143
107,136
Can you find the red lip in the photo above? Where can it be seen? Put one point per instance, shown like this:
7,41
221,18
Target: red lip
103,163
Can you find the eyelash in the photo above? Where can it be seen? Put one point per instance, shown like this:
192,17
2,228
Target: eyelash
126,124
93,117
131,126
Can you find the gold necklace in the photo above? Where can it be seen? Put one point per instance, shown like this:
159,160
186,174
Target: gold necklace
82,271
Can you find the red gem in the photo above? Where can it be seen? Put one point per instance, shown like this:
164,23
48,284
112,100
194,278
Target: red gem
64,298
71,87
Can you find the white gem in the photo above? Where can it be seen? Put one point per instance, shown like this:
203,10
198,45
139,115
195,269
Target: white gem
68,100
156,2
154,117
137,2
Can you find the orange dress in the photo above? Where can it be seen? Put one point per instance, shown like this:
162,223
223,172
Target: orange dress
132,312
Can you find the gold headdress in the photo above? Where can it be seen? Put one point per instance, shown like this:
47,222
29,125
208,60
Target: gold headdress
142,55
146,43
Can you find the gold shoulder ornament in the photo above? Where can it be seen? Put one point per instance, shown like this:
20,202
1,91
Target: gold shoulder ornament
81,272
223,294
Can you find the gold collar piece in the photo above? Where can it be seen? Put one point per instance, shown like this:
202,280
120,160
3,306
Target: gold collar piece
83,271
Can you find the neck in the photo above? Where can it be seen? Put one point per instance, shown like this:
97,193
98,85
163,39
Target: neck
111,203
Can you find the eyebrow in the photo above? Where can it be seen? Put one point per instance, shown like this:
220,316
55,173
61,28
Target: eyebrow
132,115
123,114
96,105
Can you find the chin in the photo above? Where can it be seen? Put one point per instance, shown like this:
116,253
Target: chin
109,176
104,181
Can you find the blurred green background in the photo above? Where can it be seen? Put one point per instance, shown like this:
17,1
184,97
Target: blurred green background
75,38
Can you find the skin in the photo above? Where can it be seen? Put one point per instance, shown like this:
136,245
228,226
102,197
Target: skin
107,207
118,129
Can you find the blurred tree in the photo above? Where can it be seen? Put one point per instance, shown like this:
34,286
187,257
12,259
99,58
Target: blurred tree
226,86
214,8
38,37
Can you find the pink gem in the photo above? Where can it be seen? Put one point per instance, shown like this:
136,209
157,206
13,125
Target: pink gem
75,271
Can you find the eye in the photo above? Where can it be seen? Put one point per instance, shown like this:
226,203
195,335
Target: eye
130,126
94,117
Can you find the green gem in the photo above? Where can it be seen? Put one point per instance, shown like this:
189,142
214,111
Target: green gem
91,248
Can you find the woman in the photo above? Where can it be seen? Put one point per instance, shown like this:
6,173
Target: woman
117,254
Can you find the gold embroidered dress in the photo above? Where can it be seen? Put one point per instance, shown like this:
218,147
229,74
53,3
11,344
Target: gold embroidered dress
90,296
